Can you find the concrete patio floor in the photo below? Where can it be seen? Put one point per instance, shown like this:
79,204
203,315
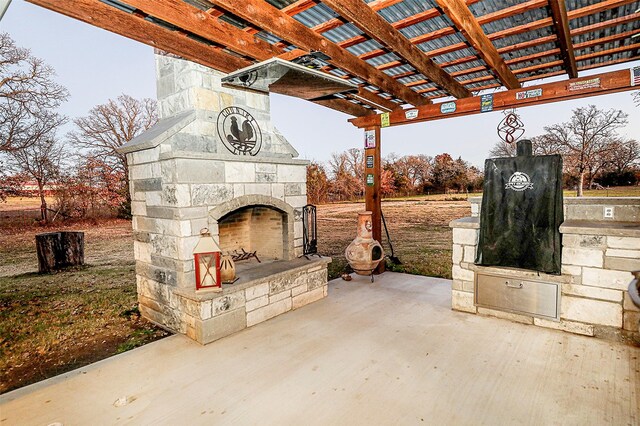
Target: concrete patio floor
392,352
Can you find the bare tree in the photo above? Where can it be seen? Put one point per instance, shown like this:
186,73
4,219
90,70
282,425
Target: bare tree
28,96
539,144
317,183
109,126
41,161
354,158
623,154
345,183
416,169
586,140
502,149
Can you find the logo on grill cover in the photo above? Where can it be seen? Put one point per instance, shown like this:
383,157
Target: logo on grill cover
239,131
519,182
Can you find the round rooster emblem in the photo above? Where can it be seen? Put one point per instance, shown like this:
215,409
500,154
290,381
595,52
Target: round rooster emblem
239,131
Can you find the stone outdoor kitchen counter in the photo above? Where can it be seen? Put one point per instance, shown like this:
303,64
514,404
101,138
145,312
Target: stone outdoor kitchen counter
598,255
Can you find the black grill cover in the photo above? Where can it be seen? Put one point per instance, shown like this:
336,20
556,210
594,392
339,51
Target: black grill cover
522,212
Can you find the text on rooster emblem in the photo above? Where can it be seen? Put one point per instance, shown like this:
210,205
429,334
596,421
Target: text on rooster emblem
239,131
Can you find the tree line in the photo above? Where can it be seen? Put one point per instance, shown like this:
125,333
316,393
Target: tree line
343,178
594,155
87,175
81,168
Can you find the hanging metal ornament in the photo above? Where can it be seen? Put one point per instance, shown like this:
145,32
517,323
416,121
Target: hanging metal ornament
511,127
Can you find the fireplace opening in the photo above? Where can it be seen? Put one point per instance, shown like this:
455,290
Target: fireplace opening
260,229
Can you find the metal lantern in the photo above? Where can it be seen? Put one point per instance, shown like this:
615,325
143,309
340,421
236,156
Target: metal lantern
206,255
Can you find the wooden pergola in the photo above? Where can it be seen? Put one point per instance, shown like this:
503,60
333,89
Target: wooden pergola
402,54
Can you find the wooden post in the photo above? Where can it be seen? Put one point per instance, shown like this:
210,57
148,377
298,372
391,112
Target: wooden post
373,197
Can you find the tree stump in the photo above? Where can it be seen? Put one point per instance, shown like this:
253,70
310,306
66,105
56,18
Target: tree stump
57,250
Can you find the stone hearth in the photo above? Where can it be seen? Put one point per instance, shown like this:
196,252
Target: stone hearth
215,161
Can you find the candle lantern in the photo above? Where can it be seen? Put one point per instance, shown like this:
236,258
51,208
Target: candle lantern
207,262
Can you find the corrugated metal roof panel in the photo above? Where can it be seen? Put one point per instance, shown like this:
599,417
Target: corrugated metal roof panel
452,56
472,86
600,16
425,27
200,4
441,42
280,3
515,20
606,32
400,69
383,59
489,6
520,38
606,46
364,47
529,51
466,66
316,15
342,33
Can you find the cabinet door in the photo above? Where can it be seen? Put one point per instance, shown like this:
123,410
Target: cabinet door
535,298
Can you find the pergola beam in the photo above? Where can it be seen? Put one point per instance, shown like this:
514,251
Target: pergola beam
374,100
344,106
99,14
380,30
611,82
561,24
194,20
271,19
464,20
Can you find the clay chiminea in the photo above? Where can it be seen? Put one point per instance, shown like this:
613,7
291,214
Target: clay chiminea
364,253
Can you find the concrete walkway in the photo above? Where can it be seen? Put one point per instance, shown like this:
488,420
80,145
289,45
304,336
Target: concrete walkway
391,352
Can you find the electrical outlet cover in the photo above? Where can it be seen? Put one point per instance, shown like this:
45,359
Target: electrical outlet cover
608,212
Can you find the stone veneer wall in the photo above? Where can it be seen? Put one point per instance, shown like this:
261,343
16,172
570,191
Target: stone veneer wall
597,257
183,179
207,316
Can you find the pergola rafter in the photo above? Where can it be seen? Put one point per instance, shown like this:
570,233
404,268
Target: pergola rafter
561,23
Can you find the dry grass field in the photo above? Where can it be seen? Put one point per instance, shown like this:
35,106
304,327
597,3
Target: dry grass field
50,324
419,230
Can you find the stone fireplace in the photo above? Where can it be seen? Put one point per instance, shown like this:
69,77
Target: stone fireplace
215,161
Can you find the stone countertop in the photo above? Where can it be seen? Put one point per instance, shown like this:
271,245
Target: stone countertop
524,274
256,276
584,227
627,201
465,222
601,227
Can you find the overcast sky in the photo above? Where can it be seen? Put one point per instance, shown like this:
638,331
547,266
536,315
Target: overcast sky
96,65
